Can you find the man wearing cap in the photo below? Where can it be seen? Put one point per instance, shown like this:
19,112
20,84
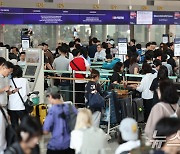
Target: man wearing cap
111,50
56,122
129,134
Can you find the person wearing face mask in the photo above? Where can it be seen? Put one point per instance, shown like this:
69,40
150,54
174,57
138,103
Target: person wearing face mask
167,107
28,134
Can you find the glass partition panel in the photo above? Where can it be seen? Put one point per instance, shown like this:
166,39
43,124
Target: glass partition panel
156,32
140,33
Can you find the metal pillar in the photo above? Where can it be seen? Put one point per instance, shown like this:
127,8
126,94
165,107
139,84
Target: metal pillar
167,29
131,32
104,33
1,33
93,31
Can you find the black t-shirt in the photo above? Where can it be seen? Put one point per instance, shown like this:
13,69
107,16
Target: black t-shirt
172,62
91,86
115,77
154,87
133,49
127,63
150,52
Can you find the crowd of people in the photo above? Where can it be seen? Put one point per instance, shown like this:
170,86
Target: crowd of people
159,94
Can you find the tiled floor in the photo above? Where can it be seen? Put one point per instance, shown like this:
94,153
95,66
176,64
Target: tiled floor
43,145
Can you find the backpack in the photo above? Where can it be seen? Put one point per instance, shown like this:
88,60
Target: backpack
71,121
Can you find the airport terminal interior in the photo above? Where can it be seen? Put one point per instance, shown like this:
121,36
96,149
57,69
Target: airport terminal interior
89,77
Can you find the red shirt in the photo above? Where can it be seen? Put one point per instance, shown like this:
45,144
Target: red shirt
78,64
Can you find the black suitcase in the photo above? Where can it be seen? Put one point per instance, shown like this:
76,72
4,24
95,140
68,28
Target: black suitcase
138,109
126,107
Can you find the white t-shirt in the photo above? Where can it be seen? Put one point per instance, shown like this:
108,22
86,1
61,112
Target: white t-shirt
100,55
70,56
21,63
128,146
145,85
76,140
2,133
15,102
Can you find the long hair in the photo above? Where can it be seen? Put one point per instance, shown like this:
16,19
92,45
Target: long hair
84,119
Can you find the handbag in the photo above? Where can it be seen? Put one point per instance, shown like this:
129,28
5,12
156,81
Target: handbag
95,101
10,132
27,104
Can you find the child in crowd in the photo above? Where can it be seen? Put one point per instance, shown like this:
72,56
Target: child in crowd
56,122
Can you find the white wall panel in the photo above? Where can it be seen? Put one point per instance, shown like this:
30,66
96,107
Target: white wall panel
167,3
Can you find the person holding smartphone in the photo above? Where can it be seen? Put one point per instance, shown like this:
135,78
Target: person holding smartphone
16,108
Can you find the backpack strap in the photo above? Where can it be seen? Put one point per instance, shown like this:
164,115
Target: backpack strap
165,108
4,115
75,65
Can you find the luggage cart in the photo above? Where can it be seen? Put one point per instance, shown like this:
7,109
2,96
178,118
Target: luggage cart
114,112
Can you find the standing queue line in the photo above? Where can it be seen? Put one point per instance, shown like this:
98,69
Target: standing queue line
102,80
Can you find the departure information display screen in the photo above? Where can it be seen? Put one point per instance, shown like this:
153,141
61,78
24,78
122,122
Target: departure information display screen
103,17
73,16
163,17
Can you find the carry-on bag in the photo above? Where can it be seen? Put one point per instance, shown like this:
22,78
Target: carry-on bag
138,109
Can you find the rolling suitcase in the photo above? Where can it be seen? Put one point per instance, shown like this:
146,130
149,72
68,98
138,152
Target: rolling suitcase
126,107
40,111
138,109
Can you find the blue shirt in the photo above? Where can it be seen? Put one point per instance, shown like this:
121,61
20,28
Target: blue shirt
56,123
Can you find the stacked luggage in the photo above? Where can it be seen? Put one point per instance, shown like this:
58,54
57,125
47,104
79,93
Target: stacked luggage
121,107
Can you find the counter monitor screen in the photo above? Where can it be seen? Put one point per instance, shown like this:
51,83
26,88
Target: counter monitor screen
30,71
